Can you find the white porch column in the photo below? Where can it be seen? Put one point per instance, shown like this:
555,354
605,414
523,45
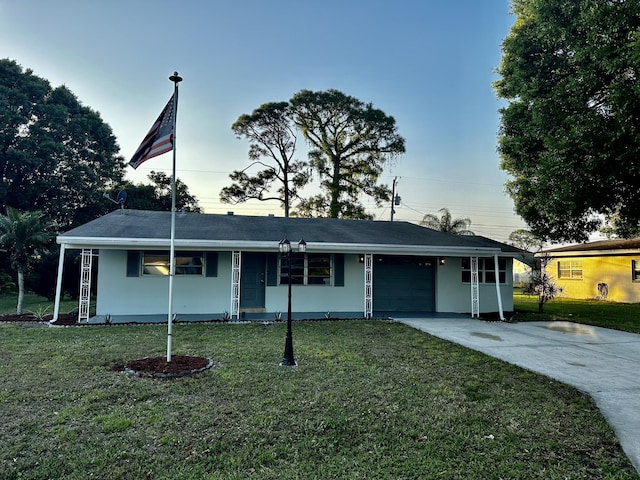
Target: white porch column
56,307
236,260
497,270
475,294
368,285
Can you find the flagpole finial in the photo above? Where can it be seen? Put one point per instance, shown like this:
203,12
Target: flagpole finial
175,78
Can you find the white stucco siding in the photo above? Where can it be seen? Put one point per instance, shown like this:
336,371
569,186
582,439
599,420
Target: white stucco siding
122,295
452,295
322,298
146,294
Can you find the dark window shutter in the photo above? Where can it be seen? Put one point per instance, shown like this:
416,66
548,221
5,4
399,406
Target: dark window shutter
133,263
211,264
338,270
272,269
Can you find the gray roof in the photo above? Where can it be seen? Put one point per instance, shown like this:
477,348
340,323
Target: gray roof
147,229
600,245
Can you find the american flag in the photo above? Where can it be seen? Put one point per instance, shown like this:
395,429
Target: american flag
159,140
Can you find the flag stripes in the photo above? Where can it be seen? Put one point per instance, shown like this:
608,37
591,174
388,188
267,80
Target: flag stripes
159,140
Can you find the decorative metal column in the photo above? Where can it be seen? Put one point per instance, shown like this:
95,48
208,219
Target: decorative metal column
368,285
235,285
85,284
475,294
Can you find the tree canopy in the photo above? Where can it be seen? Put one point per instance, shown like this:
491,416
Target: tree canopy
157,194
56,155
350,144
271,133
525,240
446,223
570,133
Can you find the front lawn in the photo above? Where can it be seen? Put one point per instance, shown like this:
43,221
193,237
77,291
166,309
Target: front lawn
619,316
368,400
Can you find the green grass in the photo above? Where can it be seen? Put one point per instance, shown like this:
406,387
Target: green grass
33,303
368,400
619,316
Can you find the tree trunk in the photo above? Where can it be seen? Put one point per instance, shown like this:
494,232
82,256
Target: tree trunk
20,290
334,189
540,305
286,192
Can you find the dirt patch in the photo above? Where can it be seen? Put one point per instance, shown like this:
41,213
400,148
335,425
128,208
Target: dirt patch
158,367
487,336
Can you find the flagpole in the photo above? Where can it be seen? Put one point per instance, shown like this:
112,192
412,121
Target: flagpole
175,78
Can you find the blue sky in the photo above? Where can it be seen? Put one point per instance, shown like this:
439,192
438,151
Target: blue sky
429,64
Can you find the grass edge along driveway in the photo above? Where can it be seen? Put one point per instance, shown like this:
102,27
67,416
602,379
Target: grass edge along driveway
599,313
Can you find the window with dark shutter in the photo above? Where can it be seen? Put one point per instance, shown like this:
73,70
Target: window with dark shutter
133,263
211,264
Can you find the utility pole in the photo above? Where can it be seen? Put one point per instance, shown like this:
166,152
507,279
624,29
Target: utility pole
393,197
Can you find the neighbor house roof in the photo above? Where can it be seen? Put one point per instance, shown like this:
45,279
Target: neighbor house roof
149,229
601,247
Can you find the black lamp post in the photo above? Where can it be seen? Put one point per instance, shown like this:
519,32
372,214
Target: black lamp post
285,249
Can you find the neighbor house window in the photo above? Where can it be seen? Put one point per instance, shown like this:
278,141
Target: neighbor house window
186,263
486,270
306,269
570,269
635,270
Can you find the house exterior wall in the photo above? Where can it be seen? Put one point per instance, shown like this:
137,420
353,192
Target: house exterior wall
453,295
143,295
613,270
193,295
322,298
521,272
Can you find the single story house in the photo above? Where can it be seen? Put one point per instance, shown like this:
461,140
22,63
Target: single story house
229,266
606,269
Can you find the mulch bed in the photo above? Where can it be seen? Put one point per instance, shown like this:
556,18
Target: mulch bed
63,319
158,367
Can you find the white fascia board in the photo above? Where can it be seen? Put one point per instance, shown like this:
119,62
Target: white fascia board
153,243
272,246
430,250
593,253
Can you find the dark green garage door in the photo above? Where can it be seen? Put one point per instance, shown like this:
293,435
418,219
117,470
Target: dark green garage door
404,284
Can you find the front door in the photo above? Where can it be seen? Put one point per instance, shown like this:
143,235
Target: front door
252,280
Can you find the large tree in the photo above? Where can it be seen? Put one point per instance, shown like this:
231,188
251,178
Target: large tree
570,133
446,223
21,235
272,138
56,155
157,194
350,144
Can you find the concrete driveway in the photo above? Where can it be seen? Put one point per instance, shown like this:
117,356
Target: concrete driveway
604,363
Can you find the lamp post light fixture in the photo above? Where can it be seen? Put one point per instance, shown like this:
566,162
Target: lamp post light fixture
285,250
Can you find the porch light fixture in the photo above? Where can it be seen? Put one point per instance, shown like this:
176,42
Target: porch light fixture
285,250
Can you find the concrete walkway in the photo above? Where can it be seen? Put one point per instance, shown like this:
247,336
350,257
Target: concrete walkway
604,363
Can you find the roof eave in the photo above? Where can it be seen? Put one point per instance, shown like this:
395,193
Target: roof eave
593,253
272,246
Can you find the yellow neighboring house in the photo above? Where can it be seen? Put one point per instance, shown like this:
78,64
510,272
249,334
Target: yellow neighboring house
606,269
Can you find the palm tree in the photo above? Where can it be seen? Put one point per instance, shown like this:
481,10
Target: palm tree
21,234
444,223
